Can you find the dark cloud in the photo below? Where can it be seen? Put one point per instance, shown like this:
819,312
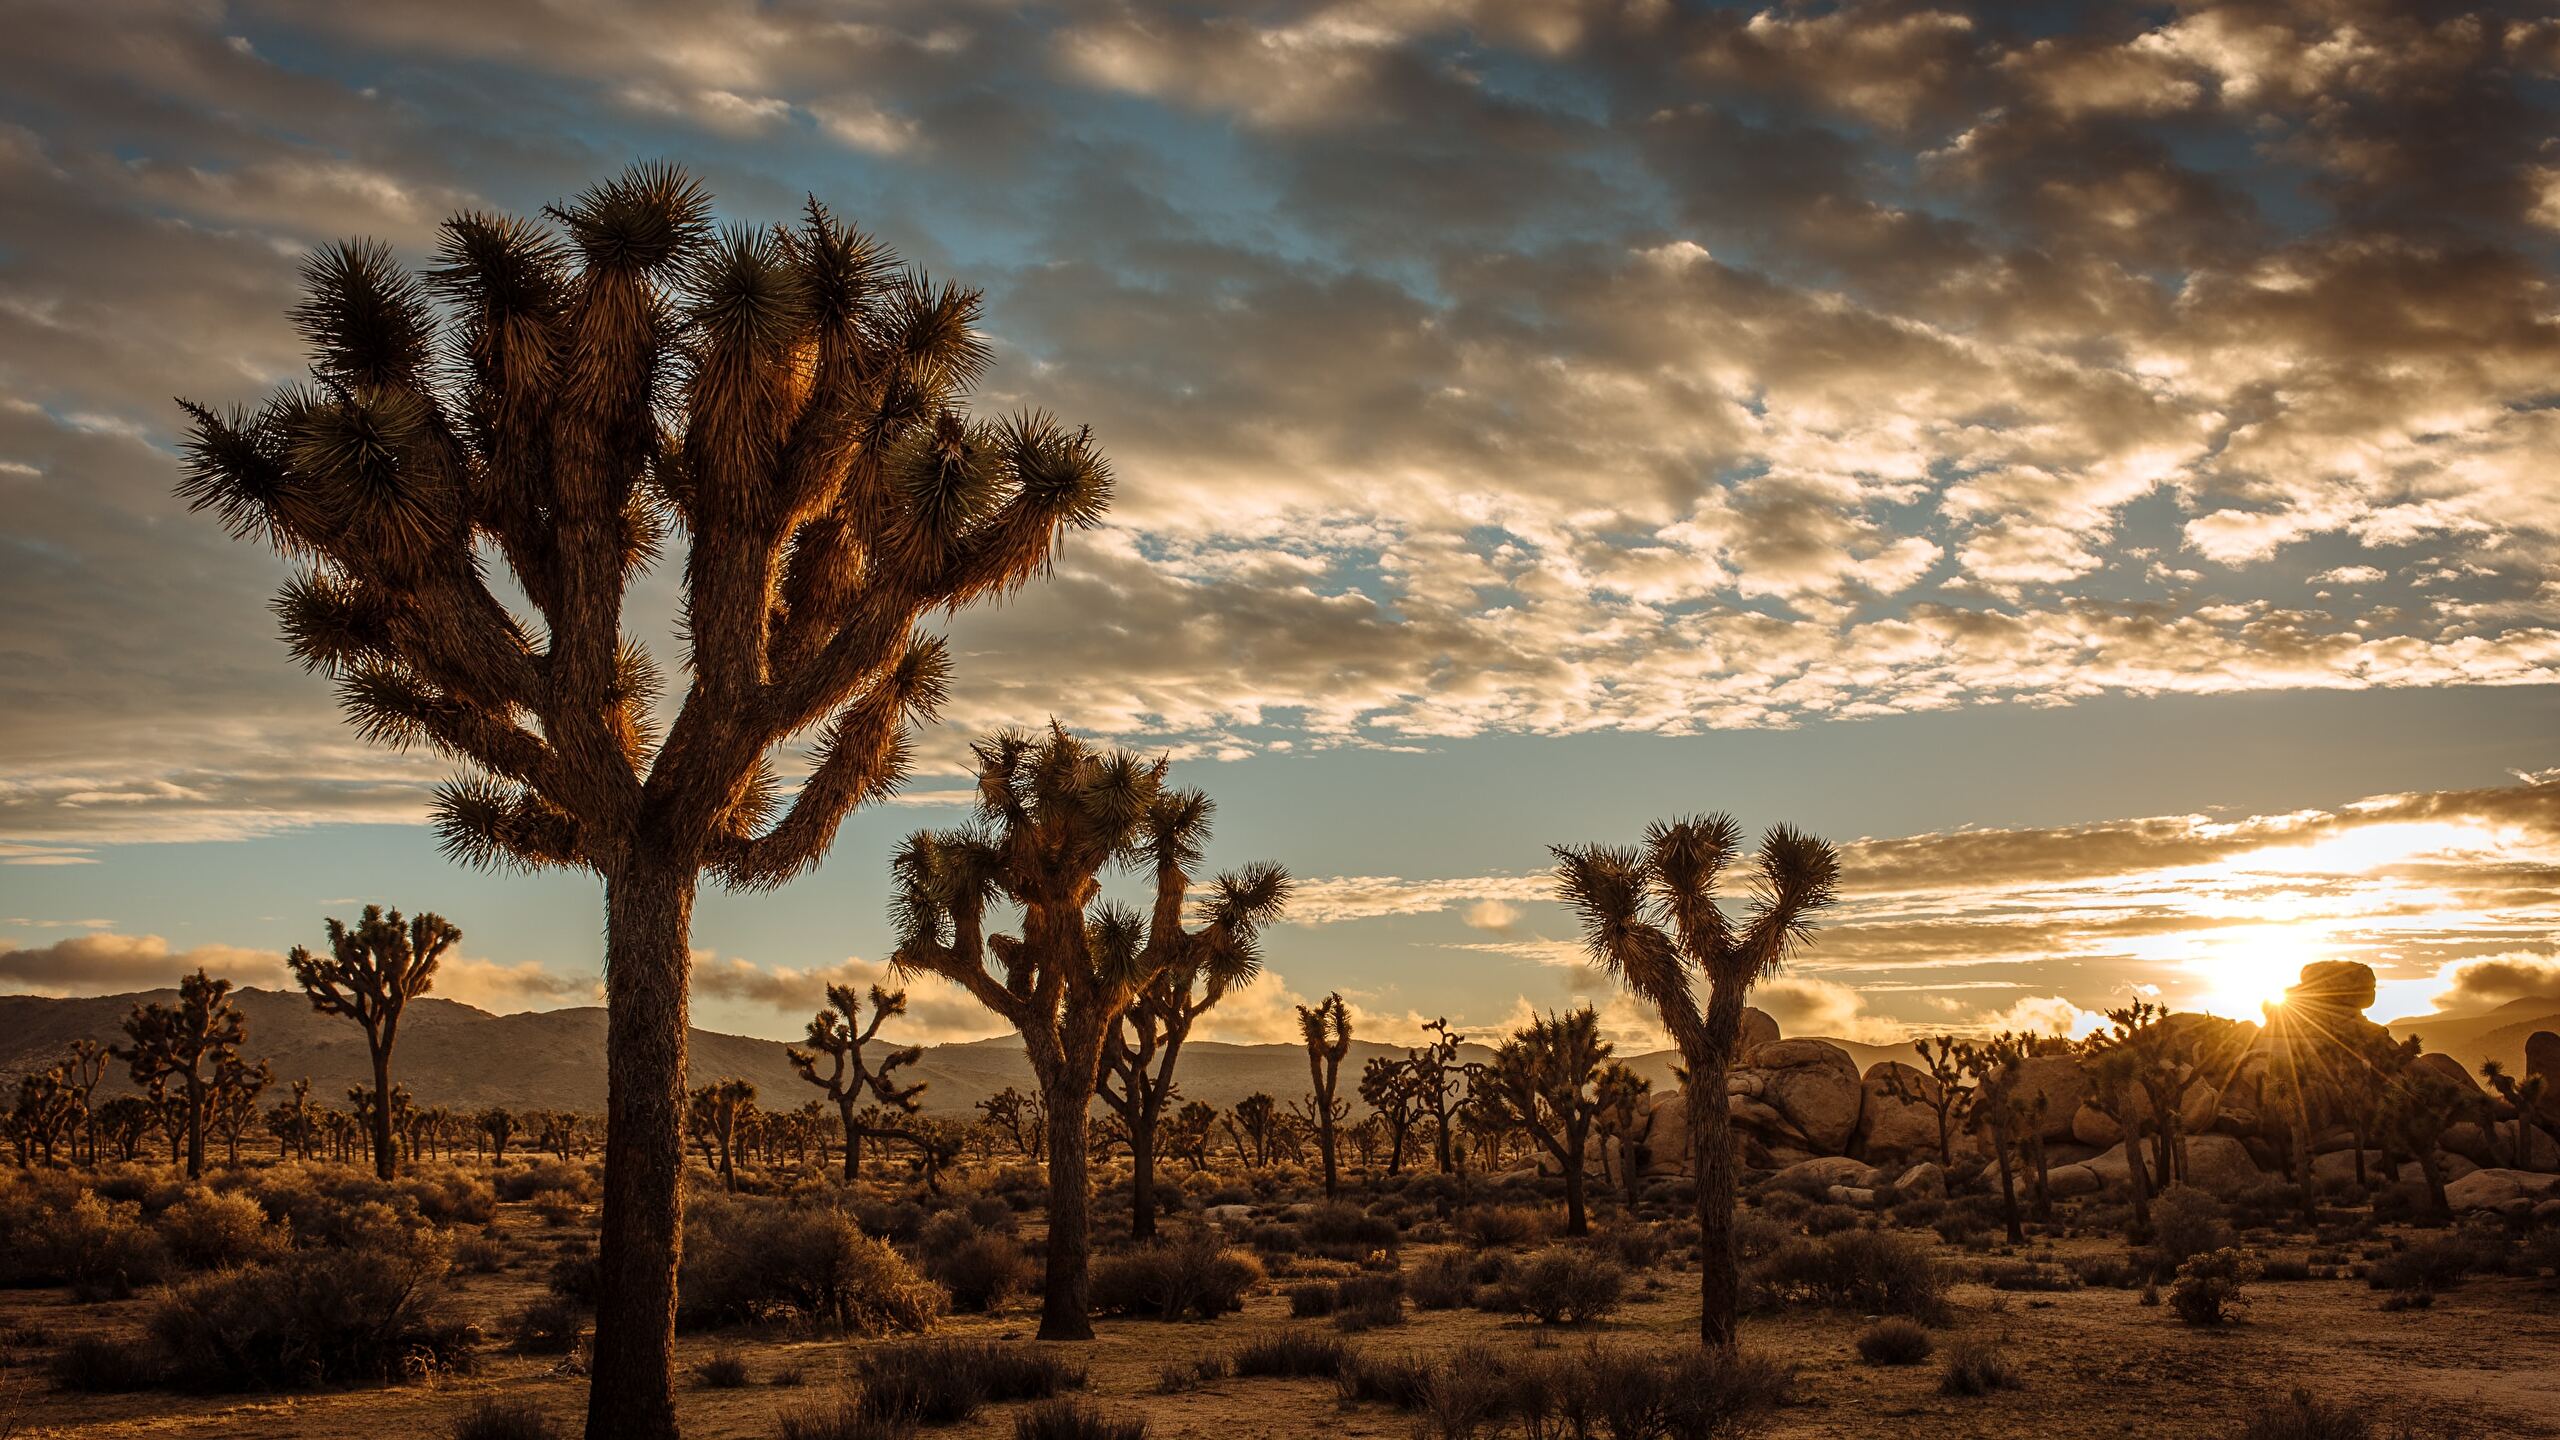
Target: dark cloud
2485,984
108,964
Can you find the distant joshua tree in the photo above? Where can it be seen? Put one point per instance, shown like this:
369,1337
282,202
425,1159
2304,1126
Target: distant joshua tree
1020,1118
838,1032
1254,1126
1992,1066
2113,1060
373,969
1138,1061
1947,1096
1387,1084
1438,1081
1626,899
1186,1133
182,1053
2532,1104
1053,813
718,1115
498,1125
1326,1030
784,403
1542,1081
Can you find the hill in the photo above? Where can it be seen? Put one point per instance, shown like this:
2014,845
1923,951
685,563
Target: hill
2497,1034
454,1054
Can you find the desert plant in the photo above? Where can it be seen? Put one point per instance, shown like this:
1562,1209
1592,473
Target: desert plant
1055,812
758,1260
979,1271
1895,1341
1492,1226
2304,1416
1442,1282
1565,1285
723,1370
942,1382
1399,1381
316,1317
97,1365
2208,1287
374,968
208,1231
1326,1031
493,1418
837,1031
1065,1418
551,1325
1976,1366
1870,1271
1620,895
1291,1354
1542,1080
786,401
843,1419
183,1051
2186,1222
1169,1280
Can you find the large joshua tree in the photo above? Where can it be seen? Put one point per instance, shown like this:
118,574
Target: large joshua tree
1326,1030
1138,1059
374,968
1650,915
1053,814
837,1031
564,400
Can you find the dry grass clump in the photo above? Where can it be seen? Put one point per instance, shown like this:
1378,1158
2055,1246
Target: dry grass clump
496,1419
1292,1354
1895,1341
942,1382
1069,1419
2208,1287
1565,1285
1597,1393
1977,1367
316,1317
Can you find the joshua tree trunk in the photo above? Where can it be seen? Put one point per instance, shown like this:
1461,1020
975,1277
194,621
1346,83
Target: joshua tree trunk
1063,1298
384,1157
1711,1157
2138,1173
195,1128
650,917
2008,1181
1142,1176
2438,1208
852,1142
1575,1222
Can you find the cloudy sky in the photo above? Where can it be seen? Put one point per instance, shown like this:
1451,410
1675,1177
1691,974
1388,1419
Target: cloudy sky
2094,460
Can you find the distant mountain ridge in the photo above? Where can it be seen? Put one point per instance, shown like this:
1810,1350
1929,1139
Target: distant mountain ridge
458,1055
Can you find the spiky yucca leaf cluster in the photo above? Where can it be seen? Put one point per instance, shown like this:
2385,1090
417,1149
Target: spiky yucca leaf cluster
569,398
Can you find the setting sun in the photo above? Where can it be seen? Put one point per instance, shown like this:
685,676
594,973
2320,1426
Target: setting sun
2242,972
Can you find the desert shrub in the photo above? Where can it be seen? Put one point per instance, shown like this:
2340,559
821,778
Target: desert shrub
557,1208
2284,1268
2025,1275
1400,1381
1875,1272
760,1260
1292,1354
980,1271
315,1317
1560,1286
2186,1221
942,1382
1334,1223
2106,1270
448,1197
1977,1367
2301,1416
1442,1282
1895,1341
1607,1391
573,1272
101,1249
1467,1395
1365,1302
1176,1378
1635,1247
208,1231
1068,1419
1273,1238
548,1326
1167,1281
722,1370
1832,1219
845,1419
95,1365
480,1254
1489,1226
523,1182
2437,1263
496,1419
2208,1287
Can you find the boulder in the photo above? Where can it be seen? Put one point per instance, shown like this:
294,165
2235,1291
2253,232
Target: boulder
2474,1143
2070,1180
2093,1126
2542,1057
1891,1128
1758,1029
1810,1087
2346,986
1924,1181
1812,1177
2217,1164
1219,1214
2500,1190
2338,1167
2451,1166
2452,1070
2058,1082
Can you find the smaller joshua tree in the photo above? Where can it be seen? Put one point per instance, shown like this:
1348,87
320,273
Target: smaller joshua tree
718,1115
837,1032
1541,1080
1439,1082
2533,1103
1946,1094
177,1053
1621,1093
1388,1085
374,968
1327,1031
1993,1067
